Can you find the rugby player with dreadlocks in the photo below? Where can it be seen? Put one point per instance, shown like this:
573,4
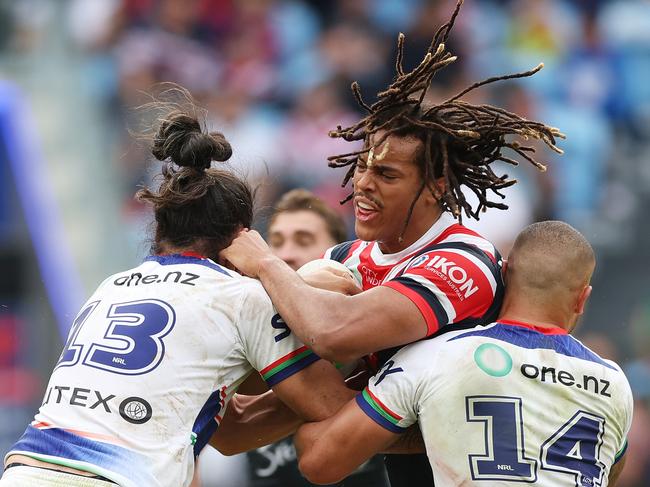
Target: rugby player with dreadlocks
420,269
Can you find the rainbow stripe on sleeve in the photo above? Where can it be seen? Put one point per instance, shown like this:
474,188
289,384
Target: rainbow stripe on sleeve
288,365
379,412
621,452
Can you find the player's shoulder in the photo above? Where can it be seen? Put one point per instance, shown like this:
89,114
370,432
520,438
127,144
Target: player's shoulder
202,265
170,269
611,363
580,350
459,250
464,268
422,352
619,390
461,237
252,288
341,252
456,239
253,298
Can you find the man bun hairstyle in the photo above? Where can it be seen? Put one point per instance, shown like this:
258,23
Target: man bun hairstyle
195,204
181,140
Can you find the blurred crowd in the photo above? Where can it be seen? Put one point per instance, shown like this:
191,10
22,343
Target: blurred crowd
275,77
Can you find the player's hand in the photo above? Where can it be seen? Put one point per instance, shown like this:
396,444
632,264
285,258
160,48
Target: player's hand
246,252
331,279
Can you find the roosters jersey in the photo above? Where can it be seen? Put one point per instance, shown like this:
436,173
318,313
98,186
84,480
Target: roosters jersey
150,364
505,404
452,274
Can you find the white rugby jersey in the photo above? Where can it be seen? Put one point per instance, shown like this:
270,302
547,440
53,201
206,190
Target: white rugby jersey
505,404
451,273
150,364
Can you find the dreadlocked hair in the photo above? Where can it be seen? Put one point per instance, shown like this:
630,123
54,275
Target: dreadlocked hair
460,139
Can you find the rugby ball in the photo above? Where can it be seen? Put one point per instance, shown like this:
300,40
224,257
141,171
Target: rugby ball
318,264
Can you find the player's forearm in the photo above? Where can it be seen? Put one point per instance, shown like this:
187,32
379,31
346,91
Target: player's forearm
317,317
254,421
330,450
319,465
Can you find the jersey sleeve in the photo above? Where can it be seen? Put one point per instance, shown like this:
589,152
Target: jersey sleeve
341,251
328,253
392,395
450,286
268,343
628,406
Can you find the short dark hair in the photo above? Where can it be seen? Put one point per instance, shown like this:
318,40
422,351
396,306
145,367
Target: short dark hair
195,204
550,255
303,200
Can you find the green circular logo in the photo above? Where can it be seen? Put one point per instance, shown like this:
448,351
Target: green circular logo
493,360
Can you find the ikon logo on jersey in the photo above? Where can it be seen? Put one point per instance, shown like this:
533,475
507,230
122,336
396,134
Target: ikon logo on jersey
452,273
135,410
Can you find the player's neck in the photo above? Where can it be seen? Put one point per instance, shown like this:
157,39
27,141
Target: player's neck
167,249
540,316
414,231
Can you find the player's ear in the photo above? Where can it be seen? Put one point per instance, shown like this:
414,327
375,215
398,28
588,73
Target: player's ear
436,190
582,299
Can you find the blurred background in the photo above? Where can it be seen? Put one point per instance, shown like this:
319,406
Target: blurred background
274,76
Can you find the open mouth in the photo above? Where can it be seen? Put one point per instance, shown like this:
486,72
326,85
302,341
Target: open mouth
364,210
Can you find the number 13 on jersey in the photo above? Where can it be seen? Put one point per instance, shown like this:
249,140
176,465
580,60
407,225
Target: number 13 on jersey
132,343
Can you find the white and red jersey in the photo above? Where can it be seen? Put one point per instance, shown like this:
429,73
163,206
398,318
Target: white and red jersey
151,361
506,404
452,274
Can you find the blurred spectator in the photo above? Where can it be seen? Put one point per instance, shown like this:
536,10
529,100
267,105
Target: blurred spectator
353,52
253,130
302,228
306,145
590,72
149,54
6,25
625,27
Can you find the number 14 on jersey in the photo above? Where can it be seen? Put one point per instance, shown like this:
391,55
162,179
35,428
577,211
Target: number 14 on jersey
573,449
